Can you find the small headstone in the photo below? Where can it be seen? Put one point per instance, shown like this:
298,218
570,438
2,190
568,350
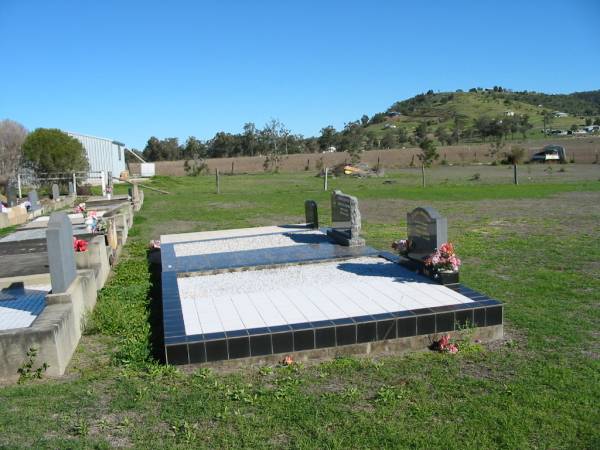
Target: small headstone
311,213
61,255
345,218
427,230
32,196
71,188
11,195
55,192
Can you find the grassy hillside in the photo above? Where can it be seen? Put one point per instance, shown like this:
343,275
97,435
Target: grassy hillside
445,109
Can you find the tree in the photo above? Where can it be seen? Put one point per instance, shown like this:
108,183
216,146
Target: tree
327,138
50,150
421,131
389,140
162,150
194,149
427,156
495,148
364,120
12,136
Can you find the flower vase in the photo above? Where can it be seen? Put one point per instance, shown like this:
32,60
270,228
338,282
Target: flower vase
446,277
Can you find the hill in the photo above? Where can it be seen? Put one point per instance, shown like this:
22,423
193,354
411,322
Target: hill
525,114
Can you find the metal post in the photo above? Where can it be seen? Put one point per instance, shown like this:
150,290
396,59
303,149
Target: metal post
74,185
325,179
232,167
423,173
218,181
103,181
515,173
19,185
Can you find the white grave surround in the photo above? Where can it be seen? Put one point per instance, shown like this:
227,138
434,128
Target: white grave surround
234,233
22,311
305,293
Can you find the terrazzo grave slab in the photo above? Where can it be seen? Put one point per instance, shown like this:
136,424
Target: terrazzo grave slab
19,308
223,234
236,244
305,293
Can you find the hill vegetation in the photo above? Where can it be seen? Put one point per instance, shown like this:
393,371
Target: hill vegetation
447,118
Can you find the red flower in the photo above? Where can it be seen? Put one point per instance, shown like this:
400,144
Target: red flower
80,245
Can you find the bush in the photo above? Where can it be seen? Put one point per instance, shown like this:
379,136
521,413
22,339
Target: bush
51,150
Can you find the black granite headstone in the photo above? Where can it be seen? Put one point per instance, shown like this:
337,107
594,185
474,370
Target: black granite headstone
61,255
345,219
32,196
427,231
311,213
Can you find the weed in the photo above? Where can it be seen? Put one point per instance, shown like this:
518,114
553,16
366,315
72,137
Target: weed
27,372
388,394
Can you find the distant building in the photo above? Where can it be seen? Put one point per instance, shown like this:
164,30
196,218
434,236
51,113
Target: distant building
560,114
103,154
393,114
509,113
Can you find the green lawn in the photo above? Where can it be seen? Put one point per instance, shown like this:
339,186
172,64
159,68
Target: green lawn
534,246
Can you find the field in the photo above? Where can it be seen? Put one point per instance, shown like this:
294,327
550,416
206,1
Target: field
535,246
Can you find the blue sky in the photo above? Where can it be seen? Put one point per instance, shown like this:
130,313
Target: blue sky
132,69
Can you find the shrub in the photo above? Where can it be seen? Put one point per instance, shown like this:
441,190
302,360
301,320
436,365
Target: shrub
51,150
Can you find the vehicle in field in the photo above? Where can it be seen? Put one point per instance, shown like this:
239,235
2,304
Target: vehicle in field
550,153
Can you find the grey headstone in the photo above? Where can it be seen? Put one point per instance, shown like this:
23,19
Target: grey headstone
427,231
11,195
346,221
311,213
32,196
55,192
71,188
61,255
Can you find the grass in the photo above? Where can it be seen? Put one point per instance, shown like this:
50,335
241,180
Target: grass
538,388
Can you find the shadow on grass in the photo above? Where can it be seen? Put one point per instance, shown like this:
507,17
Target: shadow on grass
155,305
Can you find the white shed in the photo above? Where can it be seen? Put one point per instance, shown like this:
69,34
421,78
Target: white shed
103,154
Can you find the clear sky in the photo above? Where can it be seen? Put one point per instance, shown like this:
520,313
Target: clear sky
129,69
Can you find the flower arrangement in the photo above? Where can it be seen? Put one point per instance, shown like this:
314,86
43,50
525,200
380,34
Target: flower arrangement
402,246
79,245
444,345
154,244
444,258
81,209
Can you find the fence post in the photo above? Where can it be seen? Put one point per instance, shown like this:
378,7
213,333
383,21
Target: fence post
103,181
325,179
515,174
217,181
232,162
19,185
74,184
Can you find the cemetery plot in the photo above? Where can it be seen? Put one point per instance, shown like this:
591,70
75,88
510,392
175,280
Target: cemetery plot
264,291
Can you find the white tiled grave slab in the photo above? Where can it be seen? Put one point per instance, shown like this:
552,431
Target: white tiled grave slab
305,293
22,311
236,244
221,234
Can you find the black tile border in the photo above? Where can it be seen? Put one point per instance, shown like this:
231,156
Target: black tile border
183,349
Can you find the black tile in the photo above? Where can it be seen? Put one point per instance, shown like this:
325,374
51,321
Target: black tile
197,352
282,342
366,332
343,321
177,354
444,322
360,319
479,317
216,350
260,345
322,324
239,347
236,333
406,326
345,335
214,336
386,329
325,337
280,328
399,314
493,316
304,340
422,311
464,318
301,326
426,324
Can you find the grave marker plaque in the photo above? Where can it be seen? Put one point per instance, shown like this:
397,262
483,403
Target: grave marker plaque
55,192
311,214
32,196
346,221
427,230
61,255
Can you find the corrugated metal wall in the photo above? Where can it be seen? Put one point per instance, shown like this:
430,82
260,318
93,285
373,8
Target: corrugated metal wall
103,154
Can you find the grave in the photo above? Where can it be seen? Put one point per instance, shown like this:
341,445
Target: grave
345,219
71,188
61,255
311,214
264,292
11,195
32,196
55,192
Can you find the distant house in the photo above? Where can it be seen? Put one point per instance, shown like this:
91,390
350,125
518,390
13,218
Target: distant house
592,128
393,114
560,114
509,113
104,155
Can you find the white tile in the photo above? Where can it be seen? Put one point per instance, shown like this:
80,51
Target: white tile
191,321
267,310
228,314
342,301
208,316
360,299
286,308
247,311
304,303
329,308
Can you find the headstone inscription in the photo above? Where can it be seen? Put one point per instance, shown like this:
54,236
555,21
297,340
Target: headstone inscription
61,255
32,196
55,192
311,214
345,218
427,230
